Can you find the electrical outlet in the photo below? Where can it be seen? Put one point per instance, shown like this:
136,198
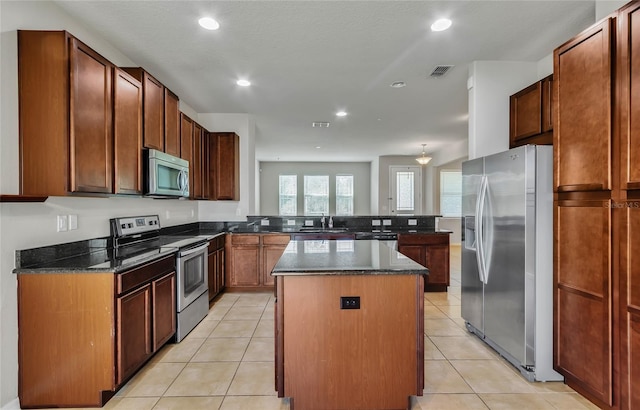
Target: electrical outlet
349,302
73,222
62,223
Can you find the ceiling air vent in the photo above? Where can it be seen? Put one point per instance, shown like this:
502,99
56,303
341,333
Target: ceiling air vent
440,70
318,124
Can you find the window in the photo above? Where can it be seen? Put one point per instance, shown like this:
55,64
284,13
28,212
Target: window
451,193
405,190
288,186
316,195
344,194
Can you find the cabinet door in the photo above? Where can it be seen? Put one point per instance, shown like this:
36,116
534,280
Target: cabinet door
127,133
171,123
630,308
547,104
273,247
226,169
416,253
583,111
211,277
220,272
206,158
133,345
438,263
90,131
196,169
153,111
583,292
526,112
164,309
245,266
629,58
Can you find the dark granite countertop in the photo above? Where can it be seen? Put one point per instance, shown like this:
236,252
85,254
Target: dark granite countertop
340,257
97,255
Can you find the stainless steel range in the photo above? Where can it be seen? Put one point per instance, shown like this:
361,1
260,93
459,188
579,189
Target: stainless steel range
136,237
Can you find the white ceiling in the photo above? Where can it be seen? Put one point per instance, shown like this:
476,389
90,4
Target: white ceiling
309,59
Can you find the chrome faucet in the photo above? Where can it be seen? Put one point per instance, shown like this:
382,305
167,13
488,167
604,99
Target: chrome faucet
322,221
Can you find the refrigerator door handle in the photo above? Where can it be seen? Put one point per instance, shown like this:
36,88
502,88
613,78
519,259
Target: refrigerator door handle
480,209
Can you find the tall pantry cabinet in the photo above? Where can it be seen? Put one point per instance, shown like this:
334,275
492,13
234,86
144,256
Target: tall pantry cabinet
597,210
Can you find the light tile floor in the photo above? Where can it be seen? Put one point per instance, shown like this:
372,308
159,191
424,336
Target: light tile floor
226,363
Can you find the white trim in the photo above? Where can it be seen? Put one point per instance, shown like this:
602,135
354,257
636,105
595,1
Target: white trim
12,405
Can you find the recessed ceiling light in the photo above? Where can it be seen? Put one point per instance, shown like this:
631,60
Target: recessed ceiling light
341,114
209,23
441,25
243,83
398,84
318,147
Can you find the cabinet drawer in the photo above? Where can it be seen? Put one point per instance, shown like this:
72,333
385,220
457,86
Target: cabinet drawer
275,239
245,239
216,243
423,239
136,277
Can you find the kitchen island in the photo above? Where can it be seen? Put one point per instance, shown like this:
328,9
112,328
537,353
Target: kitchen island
349,325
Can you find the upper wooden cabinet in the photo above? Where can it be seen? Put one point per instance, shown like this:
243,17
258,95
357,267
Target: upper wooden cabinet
65,114
583,110
197,190
186,145
531,115
171,123
127,133
629,65
152,108
224,166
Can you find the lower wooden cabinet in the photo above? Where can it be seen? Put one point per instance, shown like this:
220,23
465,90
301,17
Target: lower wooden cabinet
216,266
103,326
250,259
432,251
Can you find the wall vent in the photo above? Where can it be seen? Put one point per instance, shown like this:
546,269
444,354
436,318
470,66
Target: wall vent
440,70
319,124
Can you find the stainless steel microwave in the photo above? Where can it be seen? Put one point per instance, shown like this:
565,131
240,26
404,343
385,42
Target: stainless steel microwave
167,176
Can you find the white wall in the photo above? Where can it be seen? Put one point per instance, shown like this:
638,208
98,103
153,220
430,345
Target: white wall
605,7
244,126
269,183
30,225
490,84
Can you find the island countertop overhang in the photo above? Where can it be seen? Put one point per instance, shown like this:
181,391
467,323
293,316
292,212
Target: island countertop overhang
345,257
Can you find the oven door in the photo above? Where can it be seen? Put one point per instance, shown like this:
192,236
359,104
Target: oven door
191,266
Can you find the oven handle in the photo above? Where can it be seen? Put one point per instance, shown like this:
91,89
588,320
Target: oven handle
194,250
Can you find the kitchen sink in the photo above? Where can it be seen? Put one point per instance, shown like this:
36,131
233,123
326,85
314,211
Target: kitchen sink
311,229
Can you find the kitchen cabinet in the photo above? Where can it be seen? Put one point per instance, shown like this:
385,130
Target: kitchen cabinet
583,127
431,251
105,327
596,228
250,259
186,145
67,87
198,162
127,133
216,266
224,166
152,108
531,114
273,247
171,123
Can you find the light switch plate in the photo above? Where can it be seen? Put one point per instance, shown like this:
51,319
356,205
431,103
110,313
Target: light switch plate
386,222
291,222
375,222
62,223
264,222
73,222
308,223
413,222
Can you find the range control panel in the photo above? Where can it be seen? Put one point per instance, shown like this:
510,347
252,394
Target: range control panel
134,225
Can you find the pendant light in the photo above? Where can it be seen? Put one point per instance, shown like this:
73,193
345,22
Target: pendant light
423,160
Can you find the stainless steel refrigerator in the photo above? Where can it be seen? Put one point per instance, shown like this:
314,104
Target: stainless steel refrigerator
507,256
